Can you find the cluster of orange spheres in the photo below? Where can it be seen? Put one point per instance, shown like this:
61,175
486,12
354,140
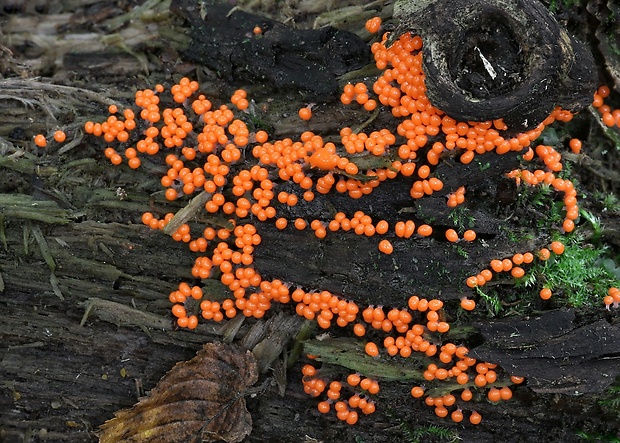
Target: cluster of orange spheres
484,377
612,299
40,140
208,149
608,116
412,333
359,94
561,185
513,265
346,409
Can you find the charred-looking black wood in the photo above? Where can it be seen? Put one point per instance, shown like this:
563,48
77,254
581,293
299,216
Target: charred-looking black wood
306,61
491,59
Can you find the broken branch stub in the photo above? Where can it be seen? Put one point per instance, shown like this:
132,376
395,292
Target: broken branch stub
491,59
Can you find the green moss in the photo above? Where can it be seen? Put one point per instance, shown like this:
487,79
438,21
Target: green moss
556,5
462,218
423,433
611,399
491,301
578,276
608,201
598,438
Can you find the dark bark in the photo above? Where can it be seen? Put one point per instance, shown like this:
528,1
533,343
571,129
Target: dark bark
305,61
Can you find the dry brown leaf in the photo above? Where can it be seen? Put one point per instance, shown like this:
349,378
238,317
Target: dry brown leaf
198,400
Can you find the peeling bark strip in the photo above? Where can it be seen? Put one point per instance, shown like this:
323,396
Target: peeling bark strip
553,351
491,59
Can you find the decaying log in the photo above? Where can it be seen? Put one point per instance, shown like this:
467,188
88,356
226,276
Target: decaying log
86,324
416,263
424,266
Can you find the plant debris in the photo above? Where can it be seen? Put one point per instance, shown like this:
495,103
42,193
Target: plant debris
200,400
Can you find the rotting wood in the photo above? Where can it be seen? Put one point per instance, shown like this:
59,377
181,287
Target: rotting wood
60,381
